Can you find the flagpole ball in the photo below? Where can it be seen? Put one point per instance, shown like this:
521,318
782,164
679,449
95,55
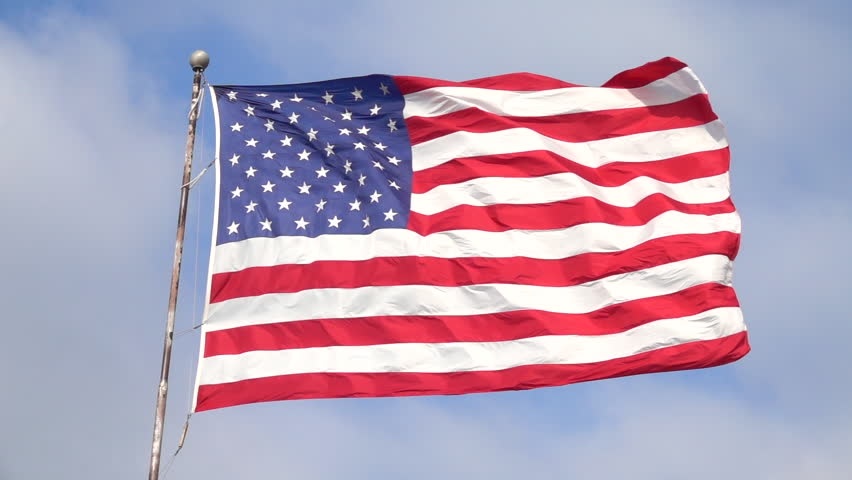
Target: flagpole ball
199,60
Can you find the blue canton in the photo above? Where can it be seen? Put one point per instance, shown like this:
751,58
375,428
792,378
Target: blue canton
312,159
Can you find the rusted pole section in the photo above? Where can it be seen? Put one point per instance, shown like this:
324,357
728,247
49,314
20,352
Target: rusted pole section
199,61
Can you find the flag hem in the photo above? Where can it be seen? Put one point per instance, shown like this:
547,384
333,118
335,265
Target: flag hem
211,260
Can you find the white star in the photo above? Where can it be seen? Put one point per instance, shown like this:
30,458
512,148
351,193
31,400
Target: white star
363,130
320,205
312,134
232,95
394,185
384,88
328,97
236,127
304,188
250,206
347,167
261,94
380,146
294,118
268,186
249,111
359,146
250,172
345,131
268,154
366,222
347,115
236,192
251,143
361,180
286,141
334,222
296,98
276,104
284,204
339,187
378,165
390,214
357,94
392,125
301,223
329,149
374,198
270,125
322,172
232,228
304,154
234,159
266,225
375,109
328,119
394,160
356,205
286,172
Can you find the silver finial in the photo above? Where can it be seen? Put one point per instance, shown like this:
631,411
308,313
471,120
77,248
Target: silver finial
199,60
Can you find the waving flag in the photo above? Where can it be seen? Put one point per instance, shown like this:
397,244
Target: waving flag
389,236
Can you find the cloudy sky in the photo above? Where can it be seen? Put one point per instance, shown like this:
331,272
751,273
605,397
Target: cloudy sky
93,101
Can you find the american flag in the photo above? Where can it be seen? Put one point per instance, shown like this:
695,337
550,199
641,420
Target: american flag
391,235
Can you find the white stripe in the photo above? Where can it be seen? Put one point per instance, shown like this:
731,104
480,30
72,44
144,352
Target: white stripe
640,147
442,100
545,244
475,356
564,186
468,299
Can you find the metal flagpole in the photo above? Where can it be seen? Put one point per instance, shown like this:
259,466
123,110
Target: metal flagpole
199,61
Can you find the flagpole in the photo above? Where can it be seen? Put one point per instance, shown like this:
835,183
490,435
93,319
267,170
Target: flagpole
198,61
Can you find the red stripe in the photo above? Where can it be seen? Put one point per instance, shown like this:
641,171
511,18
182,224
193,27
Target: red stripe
523,82
650,72
520,82
574,127
548,216
390,271
693,355
496,327
542,162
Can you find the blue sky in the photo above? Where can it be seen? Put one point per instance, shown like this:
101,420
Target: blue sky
94,100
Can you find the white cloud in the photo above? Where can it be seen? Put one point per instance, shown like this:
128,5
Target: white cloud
84,151
88,187
645,430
